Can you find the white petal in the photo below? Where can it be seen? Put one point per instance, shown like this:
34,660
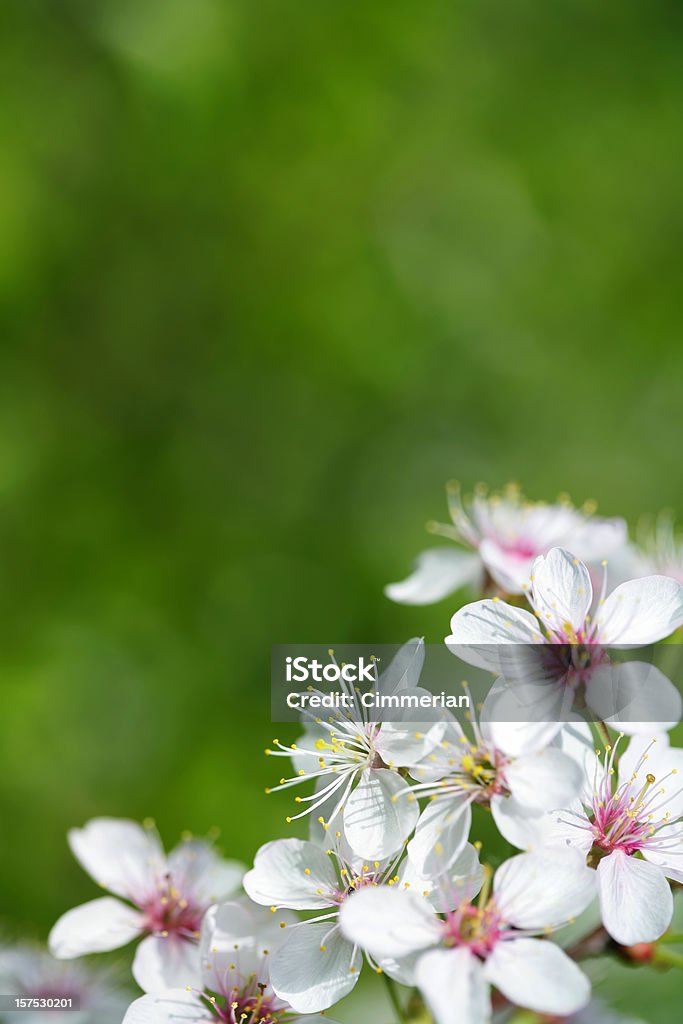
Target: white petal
403,671
280,877
641,612
94,927
438,572
161,963
478,629
389,922
120,855
537,975
453,984
524,828
670,857
404,743
562,590
440,834
545,780
634,696
379,816
444,892
510,571
596,538
166,1008
197,869
311,978
543,889
635,899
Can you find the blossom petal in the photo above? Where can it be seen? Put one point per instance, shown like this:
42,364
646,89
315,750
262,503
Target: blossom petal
634,696
635,899
174,1005
94,927
389,922
290,873
379,814
509,570
404,743
669,858
641,612
538,975
120,855
545,780
440,834
543,889
478,629
453,984
163,962
562,590
314,968
198,869
438,572
403,671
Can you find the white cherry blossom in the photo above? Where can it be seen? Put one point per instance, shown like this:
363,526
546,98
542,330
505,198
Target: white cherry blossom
354,764
498,538
545,656
165,897
459,955
316,965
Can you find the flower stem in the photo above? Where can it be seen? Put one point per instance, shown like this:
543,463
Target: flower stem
667,956
395,1001
604,733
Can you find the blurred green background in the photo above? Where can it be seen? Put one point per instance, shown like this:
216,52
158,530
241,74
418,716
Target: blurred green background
269,275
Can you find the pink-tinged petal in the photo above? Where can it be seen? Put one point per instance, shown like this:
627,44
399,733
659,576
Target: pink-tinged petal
509,570
562,591
641,612
543,889
539,976
163,962
479,628
438,573
120,855
167,1008
291,873
634,696
379,814
668,855
315,967
635,899
454,987
94,927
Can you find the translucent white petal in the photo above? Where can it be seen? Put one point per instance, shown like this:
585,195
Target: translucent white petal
543,889
635,899
163,962
120,855
537,975
440,834
404,743
562,591
545,780
403,671
634,696
478,629
290,873
454,987
311,978
198,869
388,921
166,1008
641,611
379,816
509,570
94,927
438,572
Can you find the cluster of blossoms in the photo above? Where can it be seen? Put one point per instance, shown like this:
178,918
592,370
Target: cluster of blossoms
569,753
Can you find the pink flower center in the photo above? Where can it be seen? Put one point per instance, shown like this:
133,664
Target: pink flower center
169,912
477,928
